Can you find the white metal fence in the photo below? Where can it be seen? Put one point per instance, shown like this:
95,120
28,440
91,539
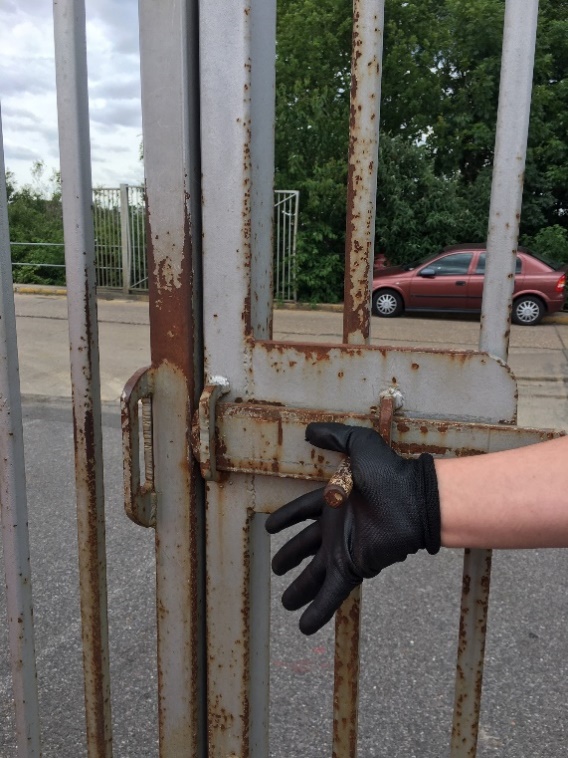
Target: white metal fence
120,237
286,210
119,218
120,244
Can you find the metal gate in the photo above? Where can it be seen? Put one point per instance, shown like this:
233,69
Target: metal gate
119,219
285,235
223,406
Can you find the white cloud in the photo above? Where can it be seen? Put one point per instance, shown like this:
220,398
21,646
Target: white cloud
28,95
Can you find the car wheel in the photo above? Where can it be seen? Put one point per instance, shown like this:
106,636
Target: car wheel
528,310
387,303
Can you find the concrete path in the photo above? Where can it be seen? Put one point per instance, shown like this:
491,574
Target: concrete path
538,355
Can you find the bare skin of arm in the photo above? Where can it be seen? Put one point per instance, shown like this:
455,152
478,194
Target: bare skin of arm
511,499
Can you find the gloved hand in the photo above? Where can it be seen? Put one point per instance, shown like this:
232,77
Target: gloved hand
393,510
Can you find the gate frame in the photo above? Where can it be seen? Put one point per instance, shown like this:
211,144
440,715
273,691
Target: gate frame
241,361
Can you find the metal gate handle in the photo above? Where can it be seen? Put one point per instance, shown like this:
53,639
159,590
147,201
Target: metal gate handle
139,499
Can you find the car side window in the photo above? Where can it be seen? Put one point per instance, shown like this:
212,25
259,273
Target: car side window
452,265
480,268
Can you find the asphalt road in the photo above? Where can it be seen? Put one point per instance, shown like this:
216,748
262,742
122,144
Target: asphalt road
410,613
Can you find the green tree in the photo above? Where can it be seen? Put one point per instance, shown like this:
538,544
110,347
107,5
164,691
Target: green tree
418,212
439,101
546,184
462,135
35,216
551,242
312,106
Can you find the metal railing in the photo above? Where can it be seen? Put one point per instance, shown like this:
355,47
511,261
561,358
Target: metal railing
286,209
119,218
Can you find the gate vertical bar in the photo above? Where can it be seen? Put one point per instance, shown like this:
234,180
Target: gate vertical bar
76,195
515,88
513,114
170,118
13,505
278,265
125,238
366,65
237,56
294,245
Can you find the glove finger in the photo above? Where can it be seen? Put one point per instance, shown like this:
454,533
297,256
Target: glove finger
301,546
335,589
306,586
331,436
303,507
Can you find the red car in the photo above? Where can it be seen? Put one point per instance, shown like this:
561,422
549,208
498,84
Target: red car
453,281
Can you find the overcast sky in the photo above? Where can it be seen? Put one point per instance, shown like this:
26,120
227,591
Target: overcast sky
27,89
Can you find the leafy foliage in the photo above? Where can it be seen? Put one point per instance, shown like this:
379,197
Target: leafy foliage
440,85
35,216
552,243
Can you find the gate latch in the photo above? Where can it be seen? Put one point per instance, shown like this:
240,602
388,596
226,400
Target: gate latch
206,453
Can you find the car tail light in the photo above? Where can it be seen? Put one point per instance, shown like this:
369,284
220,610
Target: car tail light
561,283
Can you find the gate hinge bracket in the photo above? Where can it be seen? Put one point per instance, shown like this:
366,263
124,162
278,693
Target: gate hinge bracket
206,453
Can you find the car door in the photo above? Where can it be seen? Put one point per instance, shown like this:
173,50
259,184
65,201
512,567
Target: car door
477,277
441,284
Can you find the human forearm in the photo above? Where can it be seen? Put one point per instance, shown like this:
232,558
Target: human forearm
398,506
511,499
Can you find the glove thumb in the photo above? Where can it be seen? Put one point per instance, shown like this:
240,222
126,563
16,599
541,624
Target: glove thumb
330,436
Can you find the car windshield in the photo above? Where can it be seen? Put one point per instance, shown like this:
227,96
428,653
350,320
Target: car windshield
419,261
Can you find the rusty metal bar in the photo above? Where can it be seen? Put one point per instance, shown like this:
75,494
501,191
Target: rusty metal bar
13,505
346,676
366,65
237,112
347,636
261,96
508,173
169,52
477,387
471,651
76,195
515,87
265,439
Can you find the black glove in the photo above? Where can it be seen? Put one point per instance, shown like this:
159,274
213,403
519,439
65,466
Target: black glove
393,510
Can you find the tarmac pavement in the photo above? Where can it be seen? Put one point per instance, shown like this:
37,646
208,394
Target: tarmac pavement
538,355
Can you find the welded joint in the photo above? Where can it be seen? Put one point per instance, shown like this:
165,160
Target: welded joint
394,393
217,387
139,498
